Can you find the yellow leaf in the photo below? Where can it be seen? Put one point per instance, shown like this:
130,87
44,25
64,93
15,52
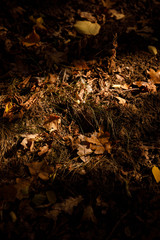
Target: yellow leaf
8,107
39,20
87,27
156,173
152,50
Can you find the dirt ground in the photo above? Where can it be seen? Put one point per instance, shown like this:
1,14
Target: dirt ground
79,120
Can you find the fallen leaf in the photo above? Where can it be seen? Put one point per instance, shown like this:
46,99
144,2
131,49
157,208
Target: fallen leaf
43,150
17,11
44,176
87,28
80,64
107,3
52,123
12,111
116,14
83,150
67,206
32,39
8,107
28,141
121,100
87,16
22,186
39,199
35,167
13,216
99,150
152,50
51,196
88,214
154,76
93,140
156,173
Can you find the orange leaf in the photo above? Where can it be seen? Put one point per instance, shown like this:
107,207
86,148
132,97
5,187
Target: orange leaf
156,173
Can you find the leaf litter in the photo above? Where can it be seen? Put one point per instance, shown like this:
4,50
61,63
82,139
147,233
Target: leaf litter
75,121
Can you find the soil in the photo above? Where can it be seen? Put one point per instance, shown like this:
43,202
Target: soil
79,120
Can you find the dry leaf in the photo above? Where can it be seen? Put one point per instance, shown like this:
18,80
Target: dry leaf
88,214
156,173
43,176
35,167
80,64
22,186
39,199
121,100
154,76
99,150
83,150
116,14
43,150
32,39
67,206
87,28
108,3
28,141
87,16
152,50
13,216
51,196
52,123
93,140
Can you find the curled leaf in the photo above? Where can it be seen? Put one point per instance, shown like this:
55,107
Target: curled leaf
87,27
152,50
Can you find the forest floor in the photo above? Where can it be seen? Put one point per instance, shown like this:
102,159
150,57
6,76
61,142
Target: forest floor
79,120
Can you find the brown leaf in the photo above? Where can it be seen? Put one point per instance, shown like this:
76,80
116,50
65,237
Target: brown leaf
43,150
52,123
35,167
87,16
28,141
32,39
121,100
22,186
83,150
93,140
88,214
154,76
44,176
67,206
80,64
99,150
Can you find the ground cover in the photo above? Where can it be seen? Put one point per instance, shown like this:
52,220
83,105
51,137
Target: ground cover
79,120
